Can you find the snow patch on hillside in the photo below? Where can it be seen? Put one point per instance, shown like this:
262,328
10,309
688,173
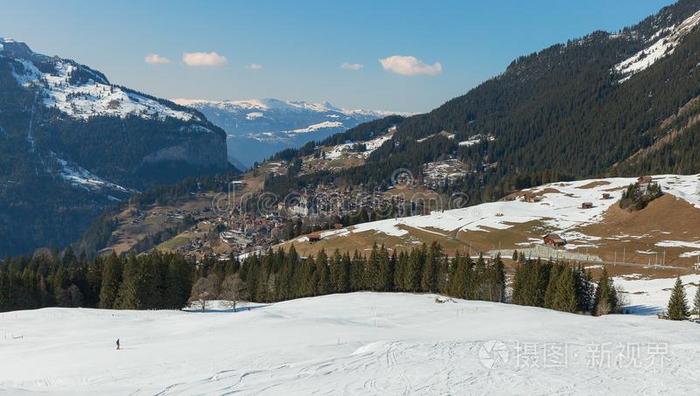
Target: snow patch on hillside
81,177
650,296
89,99
319,126
339,150
559,207
667,40
254,115
476,139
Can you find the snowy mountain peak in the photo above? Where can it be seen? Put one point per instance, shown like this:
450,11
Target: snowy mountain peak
277,104
258,128
79,91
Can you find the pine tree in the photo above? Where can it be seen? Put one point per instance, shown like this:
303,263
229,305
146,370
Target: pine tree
430,269
498,280
324,276
605,296
129,296
111,279
696,301
677,304
552,286
565,296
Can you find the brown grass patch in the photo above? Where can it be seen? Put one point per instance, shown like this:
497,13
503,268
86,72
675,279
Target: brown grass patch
594,184
666,218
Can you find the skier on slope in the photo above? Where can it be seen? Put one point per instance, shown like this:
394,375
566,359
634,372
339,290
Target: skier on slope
117,343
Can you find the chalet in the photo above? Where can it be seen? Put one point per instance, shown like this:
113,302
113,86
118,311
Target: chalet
587,205
606,195
554,240
314,237
238,185
644,182
531,198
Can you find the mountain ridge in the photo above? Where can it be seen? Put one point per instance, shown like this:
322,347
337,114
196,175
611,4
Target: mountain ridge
74,143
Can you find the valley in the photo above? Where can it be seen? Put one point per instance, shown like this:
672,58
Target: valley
533,229
259,128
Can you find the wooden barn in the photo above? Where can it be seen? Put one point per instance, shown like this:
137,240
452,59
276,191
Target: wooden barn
554,240
314,237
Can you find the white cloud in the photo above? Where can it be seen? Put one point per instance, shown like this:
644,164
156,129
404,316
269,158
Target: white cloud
203,59
351,66
254,66
409,66
156,59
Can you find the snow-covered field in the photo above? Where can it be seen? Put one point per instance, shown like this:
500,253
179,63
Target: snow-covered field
558,206
650,296
361,343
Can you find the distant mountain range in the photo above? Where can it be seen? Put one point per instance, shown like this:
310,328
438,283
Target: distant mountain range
258,128
71,142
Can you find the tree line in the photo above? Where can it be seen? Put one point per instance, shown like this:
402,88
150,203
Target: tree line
169,281
152,281
282,275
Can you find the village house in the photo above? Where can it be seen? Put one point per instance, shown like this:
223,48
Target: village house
314,237
644,182
587,205
554,240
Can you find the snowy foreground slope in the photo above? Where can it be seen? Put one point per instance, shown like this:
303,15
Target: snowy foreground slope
362,343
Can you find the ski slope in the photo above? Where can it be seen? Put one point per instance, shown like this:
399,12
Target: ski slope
361,343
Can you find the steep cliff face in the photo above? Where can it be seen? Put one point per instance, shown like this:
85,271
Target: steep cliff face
71,142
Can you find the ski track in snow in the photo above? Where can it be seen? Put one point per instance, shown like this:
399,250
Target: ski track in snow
360,343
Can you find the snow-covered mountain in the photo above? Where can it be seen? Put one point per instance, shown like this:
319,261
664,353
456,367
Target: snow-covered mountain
258,128
71,142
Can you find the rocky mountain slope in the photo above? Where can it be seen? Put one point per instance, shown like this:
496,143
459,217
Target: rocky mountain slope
71,142
258,128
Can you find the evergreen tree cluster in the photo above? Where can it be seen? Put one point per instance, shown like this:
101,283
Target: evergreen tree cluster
561,287
152,281
281,275
636,197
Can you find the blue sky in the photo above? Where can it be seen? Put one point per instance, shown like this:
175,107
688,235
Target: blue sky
295,49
